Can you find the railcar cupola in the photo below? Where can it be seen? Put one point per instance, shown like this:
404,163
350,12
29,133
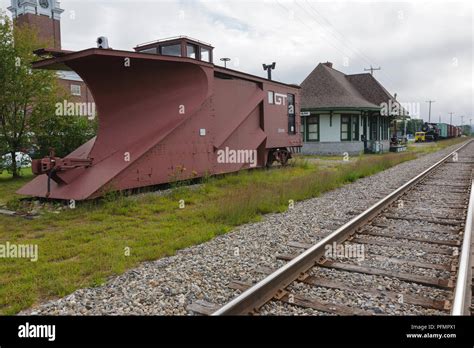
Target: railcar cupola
181,46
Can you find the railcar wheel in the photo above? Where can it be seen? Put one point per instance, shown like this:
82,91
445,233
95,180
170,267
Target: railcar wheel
271,159
279,155
284,157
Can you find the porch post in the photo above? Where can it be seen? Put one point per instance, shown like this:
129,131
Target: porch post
378,128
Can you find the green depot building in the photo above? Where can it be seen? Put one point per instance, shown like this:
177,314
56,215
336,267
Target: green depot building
342,113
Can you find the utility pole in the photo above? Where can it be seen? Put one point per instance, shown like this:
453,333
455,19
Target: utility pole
371,69
269,69
225,60
429,112
439,118
462,124
451,118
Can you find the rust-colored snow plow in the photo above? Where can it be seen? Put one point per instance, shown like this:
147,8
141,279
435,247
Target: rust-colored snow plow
164,118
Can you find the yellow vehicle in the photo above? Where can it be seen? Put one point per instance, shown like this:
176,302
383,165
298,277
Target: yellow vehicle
420,137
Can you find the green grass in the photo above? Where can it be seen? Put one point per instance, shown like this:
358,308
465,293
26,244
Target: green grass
429,147
82,247
8,186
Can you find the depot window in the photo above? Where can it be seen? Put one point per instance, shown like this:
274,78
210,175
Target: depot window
355,127
385,127
312,128
191,51
373,128
171,50
350,127
205,54
345,127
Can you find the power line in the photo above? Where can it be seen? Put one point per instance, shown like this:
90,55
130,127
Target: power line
322,27
309,27
329,42
345,41
367,59
355,49
351,50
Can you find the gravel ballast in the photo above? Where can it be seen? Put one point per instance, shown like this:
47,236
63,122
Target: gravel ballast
202,272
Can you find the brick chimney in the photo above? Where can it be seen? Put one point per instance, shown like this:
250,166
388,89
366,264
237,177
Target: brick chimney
328,64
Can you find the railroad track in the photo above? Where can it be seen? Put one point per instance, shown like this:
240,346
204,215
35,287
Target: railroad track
412,248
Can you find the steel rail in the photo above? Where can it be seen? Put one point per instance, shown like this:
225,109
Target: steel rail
462,295
259,294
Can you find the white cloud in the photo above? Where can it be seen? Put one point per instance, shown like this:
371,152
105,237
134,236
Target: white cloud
416,43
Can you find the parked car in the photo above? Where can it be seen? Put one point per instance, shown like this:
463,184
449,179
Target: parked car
22,159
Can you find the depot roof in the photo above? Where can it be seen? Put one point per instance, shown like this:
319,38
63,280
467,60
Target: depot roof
326,87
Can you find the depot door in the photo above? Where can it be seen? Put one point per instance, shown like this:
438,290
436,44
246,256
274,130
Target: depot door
364,132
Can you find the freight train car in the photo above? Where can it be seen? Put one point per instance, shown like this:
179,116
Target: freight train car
451,131
443,130
167,113
435,131
446,131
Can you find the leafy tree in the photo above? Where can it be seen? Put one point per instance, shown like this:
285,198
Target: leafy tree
414,125
466,129
28,99
62,133
24,93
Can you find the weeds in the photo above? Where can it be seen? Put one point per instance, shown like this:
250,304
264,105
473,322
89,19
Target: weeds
81,247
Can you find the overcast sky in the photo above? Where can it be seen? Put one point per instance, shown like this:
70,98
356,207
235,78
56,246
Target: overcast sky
425,49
